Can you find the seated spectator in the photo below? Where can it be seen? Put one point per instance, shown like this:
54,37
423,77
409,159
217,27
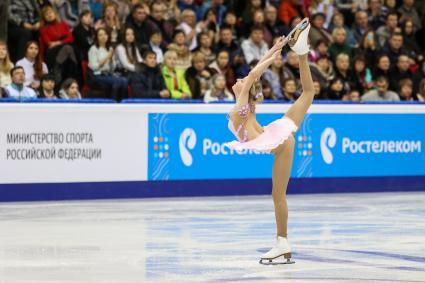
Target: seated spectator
205,47
23,26
141,25
318,31
218,90
188,26
405,90
368,48
155,44
83,35
174,77
289,9
342,70
421,91
394,47
362,76
361,25
337,89
148,81
258,20
5,65
409,39
218,8
291,68
102,64
165,27
272,23
383,67
221,66
401,71
352,95
323,7
69,89
323,72
274,76
127,53
267,90
408,11
17,88
339,46
248,11
290,89
111,23
381,93
56,39
189,5
230,21
254,48
319,93
376,14
33,65
208,25
184,56
198,76
47,87
384,32
390,6
321,49
338,21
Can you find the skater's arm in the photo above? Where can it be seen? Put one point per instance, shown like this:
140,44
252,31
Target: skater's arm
280,43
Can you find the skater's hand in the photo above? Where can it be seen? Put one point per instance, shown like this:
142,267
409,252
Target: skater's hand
280,42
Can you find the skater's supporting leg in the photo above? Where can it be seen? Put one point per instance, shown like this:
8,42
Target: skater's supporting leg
297,111
280,177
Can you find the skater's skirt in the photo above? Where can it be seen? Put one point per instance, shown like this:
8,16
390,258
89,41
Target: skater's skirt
275,134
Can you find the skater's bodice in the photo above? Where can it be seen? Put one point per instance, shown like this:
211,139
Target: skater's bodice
240,124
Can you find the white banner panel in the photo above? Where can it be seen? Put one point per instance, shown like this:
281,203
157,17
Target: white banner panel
44,143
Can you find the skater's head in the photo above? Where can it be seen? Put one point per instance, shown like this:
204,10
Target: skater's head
255,92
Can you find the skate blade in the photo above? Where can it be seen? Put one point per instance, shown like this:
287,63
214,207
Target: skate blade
276,261
300,27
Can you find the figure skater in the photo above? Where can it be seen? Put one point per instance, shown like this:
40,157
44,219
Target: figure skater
277,137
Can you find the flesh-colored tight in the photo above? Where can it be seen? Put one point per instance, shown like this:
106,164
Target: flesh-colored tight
284,154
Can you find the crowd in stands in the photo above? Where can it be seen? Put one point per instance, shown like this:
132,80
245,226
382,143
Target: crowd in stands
361,50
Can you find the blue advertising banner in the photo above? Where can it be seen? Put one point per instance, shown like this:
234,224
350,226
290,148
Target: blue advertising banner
191,147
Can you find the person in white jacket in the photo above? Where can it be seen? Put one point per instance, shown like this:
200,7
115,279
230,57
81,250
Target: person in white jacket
218,90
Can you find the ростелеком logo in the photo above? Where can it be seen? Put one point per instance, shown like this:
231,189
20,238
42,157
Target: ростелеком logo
327,141
187,141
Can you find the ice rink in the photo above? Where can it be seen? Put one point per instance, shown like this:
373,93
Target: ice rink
334,237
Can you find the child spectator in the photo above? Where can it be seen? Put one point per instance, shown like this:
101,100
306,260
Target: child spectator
174,77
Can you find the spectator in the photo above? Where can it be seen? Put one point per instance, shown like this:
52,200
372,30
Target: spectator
362,76
47,87
381,93
267,90
184,56
394,47
174,77
33,66
208,25
383,67
339,45
190,5
221,66
148,82
289,9
141,25
157,18
102,64
390,6
272,23
205,47
291,68
321,49
248,12
401,71
338,20
188,26
337,89
5,65
317,31
56,39
218,8
237,59
111,23
66,13
318,91
406,90
409,39
290,89
259,20
352,95
17,88
218,90
230,21
198,76
421,92
324,7
342,70
323,72
361,25
254,48
69,89
376,14
274,76
83,35
172,12
368,48
155,44
408,11
384,32
24,23
127,53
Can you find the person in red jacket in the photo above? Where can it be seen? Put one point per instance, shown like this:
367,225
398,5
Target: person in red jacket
55,44
289,9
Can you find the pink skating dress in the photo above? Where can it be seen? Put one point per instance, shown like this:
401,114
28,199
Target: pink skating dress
275,133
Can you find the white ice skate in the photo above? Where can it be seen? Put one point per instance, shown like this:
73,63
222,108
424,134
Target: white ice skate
298,38
280,251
